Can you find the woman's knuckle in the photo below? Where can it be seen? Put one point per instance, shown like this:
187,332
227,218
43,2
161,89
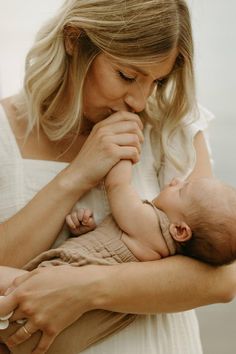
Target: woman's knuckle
18,336
20,296
108,149
15,282
51,331
135,139
38,321
136,127
27,310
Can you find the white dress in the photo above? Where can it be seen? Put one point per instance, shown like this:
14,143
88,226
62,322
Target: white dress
21,178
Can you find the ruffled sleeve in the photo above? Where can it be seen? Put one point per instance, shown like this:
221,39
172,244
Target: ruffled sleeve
181,143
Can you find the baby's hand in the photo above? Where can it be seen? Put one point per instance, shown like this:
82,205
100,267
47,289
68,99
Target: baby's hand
80,221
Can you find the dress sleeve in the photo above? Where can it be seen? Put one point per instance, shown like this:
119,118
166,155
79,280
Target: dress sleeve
181,145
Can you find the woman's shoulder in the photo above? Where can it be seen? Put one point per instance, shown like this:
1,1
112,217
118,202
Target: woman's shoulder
18,126
197,119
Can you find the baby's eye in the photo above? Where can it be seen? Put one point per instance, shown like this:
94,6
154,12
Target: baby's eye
126,77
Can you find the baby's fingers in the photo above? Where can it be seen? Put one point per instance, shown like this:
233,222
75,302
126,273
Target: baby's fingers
72,221
91,223
88,214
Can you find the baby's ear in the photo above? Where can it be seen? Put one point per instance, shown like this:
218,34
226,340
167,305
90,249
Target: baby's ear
180,232
71,35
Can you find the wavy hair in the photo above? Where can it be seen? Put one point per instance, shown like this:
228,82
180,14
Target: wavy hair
137,31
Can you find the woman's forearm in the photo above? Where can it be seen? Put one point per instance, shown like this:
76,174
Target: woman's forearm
34,228
170,285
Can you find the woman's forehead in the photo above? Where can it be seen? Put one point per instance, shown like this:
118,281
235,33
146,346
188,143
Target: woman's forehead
161,66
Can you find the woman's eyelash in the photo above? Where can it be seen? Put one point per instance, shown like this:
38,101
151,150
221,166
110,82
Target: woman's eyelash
158,82
126,78
161,82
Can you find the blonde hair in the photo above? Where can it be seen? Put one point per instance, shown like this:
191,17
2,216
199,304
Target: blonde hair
137,31
212,219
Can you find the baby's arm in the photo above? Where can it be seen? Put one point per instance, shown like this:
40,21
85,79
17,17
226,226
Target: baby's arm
131,214
80,221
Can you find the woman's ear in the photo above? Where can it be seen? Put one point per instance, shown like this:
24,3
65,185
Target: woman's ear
180,232
71,35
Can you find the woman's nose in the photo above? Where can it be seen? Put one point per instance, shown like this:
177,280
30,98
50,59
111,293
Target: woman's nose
137,98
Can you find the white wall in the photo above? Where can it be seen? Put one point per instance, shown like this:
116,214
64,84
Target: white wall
19,22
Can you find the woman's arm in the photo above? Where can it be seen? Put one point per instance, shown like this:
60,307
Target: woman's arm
172,284
35,227
203,166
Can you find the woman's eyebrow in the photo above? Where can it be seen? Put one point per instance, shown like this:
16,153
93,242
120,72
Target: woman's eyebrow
139,70
145,73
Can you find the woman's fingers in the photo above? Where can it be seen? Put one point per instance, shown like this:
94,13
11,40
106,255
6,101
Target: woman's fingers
7,305
44,344
116,138
121,127
128,153
21,335
121,116
126,140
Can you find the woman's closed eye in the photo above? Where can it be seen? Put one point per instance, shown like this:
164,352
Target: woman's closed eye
131,79
125,77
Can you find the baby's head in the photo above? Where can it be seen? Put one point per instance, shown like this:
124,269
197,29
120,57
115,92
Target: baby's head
202,215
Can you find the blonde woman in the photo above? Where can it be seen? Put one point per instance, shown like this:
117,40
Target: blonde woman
102,77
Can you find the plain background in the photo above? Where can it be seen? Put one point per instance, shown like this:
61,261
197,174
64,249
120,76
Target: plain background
214,28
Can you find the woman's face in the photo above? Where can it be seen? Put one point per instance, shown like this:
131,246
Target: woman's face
113,85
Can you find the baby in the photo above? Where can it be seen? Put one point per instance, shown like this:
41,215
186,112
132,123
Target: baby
196,218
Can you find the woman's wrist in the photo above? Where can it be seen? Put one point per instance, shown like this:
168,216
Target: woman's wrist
227,282
72,183
91,287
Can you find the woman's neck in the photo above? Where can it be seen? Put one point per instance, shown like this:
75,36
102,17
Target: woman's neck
37,145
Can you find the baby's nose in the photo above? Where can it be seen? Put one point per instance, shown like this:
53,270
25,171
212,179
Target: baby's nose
174,182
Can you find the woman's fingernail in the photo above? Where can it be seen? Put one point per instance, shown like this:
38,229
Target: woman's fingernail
4,324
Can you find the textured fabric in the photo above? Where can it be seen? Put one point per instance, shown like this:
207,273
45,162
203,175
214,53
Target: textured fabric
100,246
19,179
164,227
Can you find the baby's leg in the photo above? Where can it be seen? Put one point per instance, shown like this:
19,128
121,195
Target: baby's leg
7,275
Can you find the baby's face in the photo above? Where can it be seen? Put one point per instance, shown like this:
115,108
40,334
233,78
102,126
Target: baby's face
177,197
173,199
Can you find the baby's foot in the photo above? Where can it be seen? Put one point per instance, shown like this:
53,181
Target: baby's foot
80,221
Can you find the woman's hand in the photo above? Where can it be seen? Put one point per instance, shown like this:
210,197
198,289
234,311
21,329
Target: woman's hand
49,300
116,138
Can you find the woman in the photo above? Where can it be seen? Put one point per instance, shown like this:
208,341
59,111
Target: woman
95,69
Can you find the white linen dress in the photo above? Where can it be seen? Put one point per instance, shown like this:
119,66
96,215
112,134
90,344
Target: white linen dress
21,179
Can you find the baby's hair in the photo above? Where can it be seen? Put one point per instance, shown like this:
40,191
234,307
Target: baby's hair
212,219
